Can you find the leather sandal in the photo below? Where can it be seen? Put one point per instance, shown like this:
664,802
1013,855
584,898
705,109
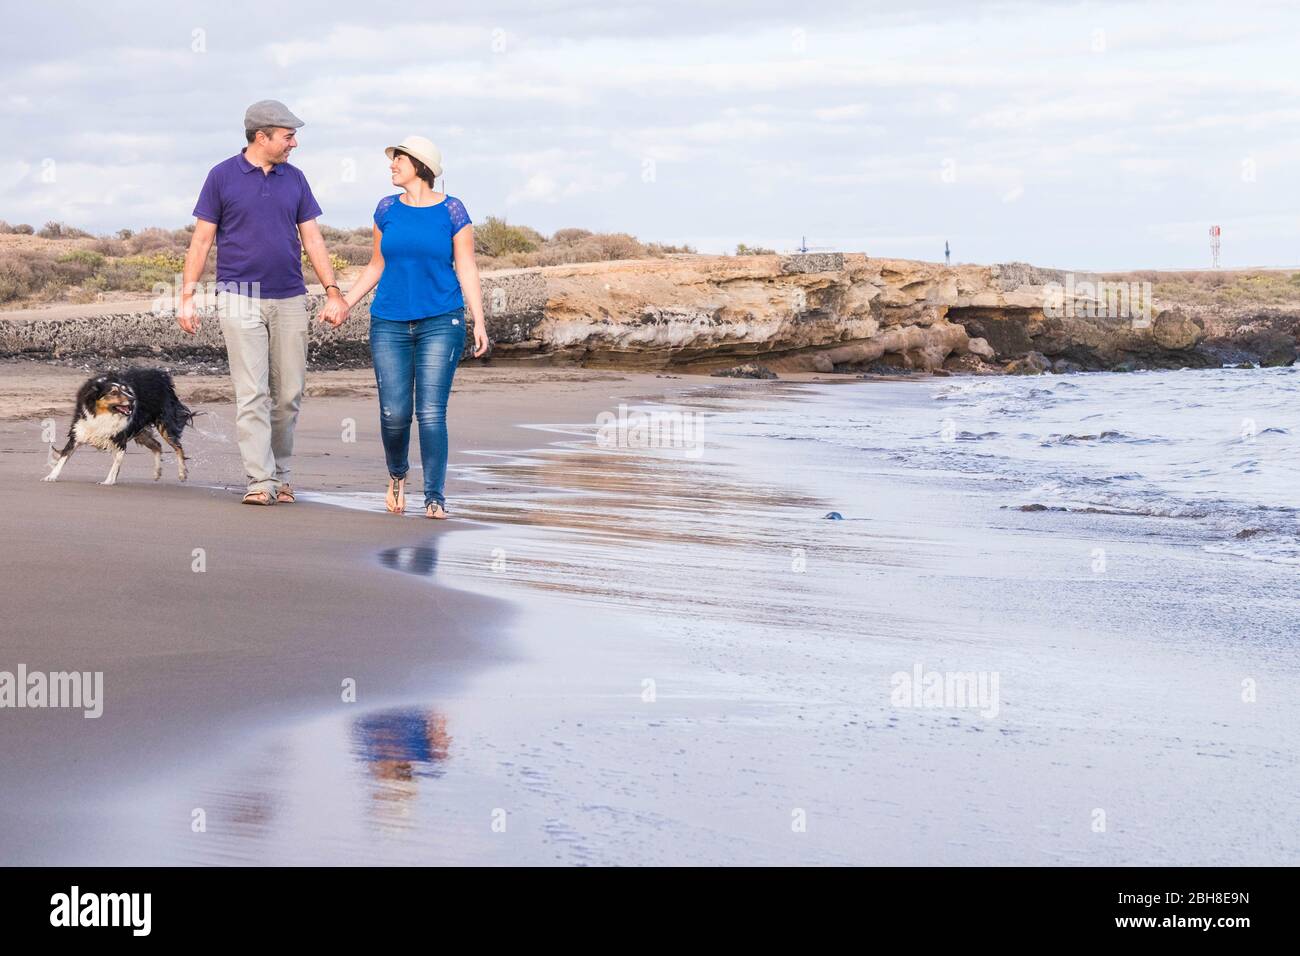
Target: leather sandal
285,495
437,511
258,498
395,499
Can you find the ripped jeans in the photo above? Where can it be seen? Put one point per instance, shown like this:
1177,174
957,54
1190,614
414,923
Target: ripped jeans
414,364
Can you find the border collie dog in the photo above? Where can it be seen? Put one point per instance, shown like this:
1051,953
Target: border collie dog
120,407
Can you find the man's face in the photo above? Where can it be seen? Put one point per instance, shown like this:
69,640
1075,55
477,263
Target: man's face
279,144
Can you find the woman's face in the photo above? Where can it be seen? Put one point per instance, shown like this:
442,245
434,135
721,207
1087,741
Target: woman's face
402,168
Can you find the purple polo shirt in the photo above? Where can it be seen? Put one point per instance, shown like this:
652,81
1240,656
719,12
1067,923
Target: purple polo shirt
257,216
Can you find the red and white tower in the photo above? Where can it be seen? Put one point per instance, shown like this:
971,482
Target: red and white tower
1214,246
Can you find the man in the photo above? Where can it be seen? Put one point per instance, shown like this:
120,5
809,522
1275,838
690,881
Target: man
262,214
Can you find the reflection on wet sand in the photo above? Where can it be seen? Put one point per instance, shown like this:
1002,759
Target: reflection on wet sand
327,782
422,561
398,747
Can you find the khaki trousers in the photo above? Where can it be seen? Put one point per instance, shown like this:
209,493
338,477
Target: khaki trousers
266,343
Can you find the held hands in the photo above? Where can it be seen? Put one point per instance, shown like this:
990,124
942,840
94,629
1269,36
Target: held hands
481,343
334,311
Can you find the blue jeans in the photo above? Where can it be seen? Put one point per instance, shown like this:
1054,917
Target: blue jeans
414,364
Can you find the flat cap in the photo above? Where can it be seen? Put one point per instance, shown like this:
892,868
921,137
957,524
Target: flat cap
265,113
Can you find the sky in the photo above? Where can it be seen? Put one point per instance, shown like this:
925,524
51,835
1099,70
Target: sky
1072,135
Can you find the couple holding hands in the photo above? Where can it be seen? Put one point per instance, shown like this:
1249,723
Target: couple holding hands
262,215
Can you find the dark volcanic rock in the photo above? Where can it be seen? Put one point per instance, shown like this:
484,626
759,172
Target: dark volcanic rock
1266,338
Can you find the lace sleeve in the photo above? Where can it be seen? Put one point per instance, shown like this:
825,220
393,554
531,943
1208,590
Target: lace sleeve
459,217
381,211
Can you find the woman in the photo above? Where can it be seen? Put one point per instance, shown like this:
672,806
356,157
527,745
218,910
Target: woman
423,262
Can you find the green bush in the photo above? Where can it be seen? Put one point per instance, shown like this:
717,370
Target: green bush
337,262
495,237
134,274
168,261
85,256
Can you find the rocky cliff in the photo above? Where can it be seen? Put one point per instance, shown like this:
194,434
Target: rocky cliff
823,312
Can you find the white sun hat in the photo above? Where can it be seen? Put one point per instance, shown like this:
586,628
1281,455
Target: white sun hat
422,149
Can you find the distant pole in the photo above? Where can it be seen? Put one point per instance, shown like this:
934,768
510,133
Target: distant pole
947,254
803,243
1214,246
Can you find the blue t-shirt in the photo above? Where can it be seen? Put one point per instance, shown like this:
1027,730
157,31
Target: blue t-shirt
419,278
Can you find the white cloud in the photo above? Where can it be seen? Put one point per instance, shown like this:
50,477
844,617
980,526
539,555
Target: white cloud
557,116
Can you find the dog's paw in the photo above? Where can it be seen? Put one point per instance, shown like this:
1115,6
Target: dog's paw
108,481
50,478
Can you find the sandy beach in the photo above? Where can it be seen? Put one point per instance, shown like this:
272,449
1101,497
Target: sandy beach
629,655
291,601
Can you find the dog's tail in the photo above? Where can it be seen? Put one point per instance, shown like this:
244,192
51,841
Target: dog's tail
176,417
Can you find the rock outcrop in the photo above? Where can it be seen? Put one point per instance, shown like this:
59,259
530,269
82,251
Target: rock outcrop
825,312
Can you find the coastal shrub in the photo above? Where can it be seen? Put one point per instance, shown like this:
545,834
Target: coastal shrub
153,240
353,253
27,273
495,237
139,273
114,248
337,262
22,229
333,234
15,276
167,261
74,268
60,230
617,245
660,249
5,228
744,250
86,257
570,235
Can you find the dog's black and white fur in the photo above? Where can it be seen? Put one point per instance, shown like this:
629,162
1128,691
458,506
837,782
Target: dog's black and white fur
119,407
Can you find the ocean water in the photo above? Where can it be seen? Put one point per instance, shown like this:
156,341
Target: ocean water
1219,450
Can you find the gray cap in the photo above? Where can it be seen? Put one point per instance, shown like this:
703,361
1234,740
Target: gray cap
265,113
